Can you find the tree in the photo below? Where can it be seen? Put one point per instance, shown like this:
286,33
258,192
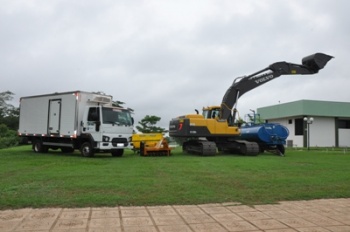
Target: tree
9,115
12,119
4,106
148,125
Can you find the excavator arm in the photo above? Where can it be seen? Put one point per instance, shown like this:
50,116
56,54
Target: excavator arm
310,65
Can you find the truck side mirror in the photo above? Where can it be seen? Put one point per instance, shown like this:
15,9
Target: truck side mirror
132,121
97,125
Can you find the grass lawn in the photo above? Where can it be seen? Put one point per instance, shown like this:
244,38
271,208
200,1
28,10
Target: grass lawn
54,179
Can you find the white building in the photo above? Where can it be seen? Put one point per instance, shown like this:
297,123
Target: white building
330,126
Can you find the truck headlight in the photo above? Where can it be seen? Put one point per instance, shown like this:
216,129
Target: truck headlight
105,138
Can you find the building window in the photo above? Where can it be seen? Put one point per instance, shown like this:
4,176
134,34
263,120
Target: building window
290,121
299,126
344,124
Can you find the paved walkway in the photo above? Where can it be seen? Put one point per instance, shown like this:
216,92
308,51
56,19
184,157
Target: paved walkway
289,216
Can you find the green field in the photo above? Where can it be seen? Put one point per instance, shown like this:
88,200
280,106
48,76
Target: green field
28,179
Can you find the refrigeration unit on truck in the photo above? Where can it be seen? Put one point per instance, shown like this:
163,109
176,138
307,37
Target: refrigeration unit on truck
75,120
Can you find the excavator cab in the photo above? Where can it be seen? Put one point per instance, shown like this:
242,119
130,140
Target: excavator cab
211,112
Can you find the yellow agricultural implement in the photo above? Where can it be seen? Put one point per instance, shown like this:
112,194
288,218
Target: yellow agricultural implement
152,144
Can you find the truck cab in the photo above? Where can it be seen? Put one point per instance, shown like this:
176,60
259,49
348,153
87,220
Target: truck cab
100,124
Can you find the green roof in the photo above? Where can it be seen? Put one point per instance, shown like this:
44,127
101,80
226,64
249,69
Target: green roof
306,107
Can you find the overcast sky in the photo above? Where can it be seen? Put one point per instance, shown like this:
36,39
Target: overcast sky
167,58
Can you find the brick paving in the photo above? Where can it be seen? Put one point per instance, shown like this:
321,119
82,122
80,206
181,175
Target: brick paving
287,216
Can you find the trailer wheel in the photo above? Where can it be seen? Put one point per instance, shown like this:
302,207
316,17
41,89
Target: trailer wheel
281,149
184,147
38,147
142,148
118,153
67,149
87,150
261,149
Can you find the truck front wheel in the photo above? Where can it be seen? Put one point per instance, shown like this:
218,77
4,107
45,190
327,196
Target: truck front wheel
38,147
118,153
87,150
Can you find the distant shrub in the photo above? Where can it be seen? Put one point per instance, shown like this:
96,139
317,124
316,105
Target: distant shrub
8,138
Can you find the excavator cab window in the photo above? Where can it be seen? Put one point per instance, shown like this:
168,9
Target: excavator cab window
206,113
212,113
215,113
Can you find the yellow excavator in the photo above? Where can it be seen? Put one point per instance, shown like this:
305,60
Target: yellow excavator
216,128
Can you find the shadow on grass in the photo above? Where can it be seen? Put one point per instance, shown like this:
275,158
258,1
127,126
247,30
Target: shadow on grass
75,154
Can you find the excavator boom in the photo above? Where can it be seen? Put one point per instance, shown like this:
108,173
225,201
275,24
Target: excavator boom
310,65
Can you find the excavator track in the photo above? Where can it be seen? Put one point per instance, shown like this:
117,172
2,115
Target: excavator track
248,148
200,147
241,147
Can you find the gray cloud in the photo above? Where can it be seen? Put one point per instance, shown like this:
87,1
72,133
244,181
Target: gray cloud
169,57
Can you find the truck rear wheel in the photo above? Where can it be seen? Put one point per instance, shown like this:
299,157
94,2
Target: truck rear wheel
87,150
38,147
118,153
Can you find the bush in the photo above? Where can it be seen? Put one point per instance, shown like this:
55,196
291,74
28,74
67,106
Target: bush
8,138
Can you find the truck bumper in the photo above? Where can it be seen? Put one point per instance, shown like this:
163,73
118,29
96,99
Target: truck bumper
119,143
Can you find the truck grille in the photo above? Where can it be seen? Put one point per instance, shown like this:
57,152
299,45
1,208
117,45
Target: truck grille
117,141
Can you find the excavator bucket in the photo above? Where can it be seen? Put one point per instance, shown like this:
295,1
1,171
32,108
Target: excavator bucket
316,61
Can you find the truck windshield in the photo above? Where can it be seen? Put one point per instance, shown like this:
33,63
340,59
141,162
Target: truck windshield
116,116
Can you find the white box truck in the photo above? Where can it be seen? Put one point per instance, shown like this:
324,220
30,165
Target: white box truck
75,120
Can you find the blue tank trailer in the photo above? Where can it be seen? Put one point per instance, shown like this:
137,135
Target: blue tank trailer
270,136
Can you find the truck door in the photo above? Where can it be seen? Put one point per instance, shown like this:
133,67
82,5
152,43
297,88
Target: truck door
54,116
92,122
